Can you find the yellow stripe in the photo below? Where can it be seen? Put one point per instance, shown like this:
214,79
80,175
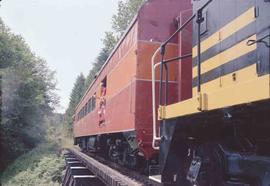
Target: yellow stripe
242,75
228,55
226,31
234,93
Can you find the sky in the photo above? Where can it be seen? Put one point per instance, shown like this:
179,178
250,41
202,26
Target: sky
66,33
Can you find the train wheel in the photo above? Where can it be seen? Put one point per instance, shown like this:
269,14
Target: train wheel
112,153
211,171
130,157
205,168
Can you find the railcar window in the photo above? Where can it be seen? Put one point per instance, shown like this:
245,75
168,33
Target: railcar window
86,108
103,86
94,102
90,105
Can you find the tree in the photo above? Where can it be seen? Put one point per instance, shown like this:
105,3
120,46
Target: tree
109,42
120,21
127,9
27,96
75,97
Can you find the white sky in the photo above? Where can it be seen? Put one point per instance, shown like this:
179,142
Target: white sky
66,33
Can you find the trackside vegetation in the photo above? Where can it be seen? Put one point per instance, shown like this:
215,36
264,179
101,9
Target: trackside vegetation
29,128
31,133
43,165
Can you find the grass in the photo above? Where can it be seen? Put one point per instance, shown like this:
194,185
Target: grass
43,165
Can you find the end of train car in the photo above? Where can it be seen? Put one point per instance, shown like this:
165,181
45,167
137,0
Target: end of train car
114,116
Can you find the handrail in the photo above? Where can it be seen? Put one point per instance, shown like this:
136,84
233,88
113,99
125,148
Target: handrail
162,52
155,137
199,21
154,66
162,49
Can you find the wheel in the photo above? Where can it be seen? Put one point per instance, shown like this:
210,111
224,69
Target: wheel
112,153
130,157
202,166
211,171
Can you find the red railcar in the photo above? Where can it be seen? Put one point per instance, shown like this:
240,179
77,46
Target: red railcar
115,114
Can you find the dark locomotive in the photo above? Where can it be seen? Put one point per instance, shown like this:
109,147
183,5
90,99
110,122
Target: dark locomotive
187,87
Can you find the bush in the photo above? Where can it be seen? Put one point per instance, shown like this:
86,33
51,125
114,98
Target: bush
41,166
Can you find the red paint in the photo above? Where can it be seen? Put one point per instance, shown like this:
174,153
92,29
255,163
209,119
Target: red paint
143,114
156,19
128,76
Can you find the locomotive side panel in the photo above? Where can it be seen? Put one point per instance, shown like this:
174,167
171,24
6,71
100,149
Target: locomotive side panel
218,136
232,59
229,64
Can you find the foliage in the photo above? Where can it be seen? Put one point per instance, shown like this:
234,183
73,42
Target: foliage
120,21
109,42
27,97
54,128
75,96
125,13
41,166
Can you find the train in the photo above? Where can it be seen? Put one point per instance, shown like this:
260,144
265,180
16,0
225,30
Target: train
187,88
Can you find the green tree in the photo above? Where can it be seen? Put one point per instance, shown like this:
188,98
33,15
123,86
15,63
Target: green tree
27,96
75,97
125,13
120,21
127,9
109,42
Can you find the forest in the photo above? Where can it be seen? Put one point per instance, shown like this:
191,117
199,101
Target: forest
31,133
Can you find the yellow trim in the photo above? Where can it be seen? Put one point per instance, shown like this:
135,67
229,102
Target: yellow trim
247,87
235,25
241,76
187,107
230,54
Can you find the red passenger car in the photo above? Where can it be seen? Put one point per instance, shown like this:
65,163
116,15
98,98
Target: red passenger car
115,114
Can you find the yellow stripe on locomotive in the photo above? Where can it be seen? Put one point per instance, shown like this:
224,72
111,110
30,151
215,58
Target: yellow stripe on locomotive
229,77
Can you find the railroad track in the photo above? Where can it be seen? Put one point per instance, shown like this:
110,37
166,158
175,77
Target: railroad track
90,169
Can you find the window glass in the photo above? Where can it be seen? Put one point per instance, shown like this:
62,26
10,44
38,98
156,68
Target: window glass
90,105
94,101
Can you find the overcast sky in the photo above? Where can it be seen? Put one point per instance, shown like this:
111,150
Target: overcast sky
66,33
